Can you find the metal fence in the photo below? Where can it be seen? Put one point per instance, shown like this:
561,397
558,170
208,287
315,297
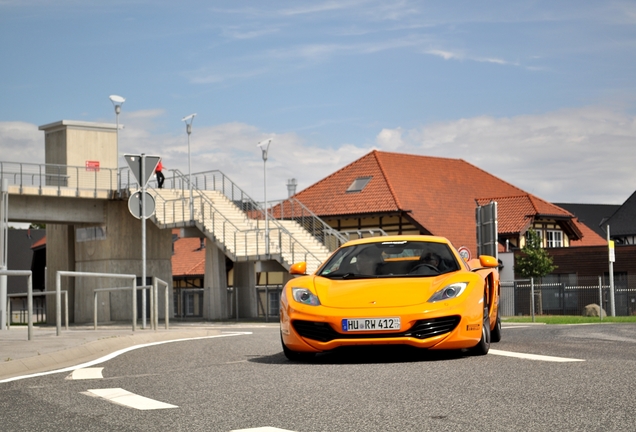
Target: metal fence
567,297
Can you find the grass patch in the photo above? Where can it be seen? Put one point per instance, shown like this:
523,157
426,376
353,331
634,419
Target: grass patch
568,319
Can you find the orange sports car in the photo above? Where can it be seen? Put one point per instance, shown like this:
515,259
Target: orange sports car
409,290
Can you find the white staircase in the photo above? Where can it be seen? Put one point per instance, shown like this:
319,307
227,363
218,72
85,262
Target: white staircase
242,238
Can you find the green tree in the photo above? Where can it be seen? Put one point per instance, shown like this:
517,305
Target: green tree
534,262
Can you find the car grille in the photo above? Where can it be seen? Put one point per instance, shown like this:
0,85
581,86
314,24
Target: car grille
422,329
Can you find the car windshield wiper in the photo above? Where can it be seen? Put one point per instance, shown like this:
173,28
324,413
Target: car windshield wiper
347,276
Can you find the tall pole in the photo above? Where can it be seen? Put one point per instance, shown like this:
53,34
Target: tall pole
4,218
265,196
189,129
117,101
264,145
188,121
143,240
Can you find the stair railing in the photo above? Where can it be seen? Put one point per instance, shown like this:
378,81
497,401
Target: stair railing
287,246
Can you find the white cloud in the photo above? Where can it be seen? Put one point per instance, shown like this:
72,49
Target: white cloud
572,155
327,6
240,34
18,142
390,139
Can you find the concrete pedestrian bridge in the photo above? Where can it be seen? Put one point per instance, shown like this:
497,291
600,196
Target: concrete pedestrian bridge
82,196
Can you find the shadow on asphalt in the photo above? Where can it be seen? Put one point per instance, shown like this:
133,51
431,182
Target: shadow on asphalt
369,355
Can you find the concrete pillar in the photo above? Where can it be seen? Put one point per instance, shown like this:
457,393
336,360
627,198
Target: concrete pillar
119,251
60,256
245,284
215,304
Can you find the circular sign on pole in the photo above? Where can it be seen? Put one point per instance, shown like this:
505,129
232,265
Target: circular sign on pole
464,252
134,205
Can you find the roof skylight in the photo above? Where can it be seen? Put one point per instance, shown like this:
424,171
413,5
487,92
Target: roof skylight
359,184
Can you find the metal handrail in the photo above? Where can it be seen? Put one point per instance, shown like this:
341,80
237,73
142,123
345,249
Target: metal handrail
360,233
240,237
293,209
60,177
217,181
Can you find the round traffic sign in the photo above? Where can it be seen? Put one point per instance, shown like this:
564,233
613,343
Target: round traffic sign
464,252
134,205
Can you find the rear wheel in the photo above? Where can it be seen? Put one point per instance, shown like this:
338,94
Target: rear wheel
483,346
296,356
495,334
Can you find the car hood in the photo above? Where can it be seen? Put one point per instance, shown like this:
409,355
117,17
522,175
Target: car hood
373,293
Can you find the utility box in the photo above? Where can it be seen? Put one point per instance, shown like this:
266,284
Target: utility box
80,153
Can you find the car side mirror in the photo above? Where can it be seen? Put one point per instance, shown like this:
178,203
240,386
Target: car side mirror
299,268
488,261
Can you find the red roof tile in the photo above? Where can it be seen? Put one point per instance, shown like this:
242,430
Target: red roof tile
37,244
516,213
188,258
438,193
590,237
330,197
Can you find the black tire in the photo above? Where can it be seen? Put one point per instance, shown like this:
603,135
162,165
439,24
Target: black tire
495,334
296,356
483,346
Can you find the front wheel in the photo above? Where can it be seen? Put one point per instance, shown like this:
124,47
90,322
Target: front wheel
483,346
296,356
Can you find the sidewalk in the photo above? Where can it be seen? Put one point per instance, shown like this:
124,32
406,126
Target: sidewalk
80,343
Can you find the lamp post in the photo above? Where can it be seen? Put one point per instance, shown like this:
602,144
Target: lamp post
4,226
188,121
264,145
117,101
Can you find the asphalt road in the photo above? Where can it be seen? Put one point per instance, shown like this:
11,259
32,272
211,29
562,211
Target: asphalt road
243,381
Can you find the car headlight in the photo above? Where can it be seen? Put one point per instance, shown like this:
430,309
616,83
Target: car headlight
304,296
449,292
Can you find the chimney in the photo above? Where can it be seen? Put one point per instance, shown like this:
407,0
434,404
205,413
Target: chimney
291,187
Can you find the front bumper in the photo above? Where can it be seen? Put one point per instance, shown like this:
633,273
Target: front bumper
444,327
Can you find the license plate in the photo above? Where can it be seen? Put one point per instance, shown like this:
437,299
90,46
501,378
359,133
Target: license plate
370,324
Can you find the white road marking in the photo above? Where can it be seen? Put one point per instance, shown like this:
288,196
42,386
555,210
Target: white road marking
533,356
262,429
514,327
130,400
118,353
86,373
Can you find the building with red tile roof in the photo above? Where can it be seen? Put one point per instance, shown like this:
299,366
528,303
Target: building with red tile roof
188,259
188,275
517,214
412,194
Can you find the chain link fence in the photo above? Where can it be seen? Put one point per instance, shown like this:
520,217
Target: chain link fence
567,297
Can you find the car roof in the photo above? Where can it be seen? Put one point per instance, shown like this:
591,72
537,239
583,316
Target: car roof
384,239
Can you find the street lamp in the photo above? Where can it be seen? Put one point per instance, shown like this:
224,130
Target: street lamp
264,145
117,101
188,121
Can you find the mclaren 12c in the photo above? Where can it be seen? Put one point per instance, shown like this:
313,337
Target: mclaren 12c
406,290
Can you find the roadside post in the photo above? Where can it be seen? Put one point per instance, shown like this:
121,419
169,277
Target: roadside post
142,167
532,296
612,258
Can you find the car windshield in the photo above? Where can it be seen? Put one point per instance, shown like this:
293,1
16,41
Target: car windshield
390,259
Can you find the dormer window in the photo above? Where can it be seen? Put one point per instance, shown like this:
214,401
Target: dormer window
554,238
359,184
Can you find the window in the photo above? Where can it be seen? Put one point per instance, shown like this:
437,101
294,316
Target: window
554,238
359,184
274,303
90,233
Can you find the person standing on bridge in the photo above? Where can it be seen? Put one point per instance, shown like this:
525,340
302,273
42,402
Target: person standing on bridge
159,174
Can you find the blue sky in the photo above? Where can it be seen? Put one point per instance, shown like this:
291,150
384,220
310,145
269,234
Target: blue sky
538,93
